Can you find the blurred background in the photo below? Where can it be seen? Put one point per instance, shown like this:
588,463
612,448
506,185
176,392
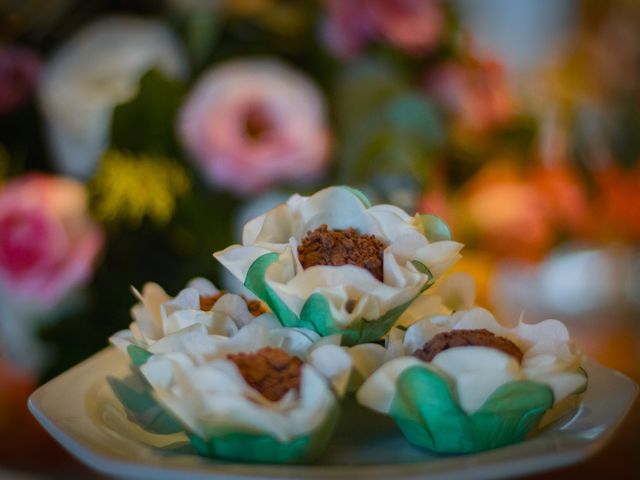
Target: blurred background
137,137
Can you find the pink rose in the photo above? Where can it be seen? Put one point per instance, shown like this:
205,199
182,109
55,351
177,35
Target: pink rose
414,26
474,91
48,242
251,124
19,68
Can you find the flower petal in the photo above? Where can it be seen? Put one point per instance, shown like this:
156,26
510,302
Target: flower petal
378,390
439,256
367,358
186,318
424,306
337,207
238,259
476,319
147,314
295,341
562,384
193,340
97,69
476,372
542,332
550,357
388,221
122,339
235,307
187,299
276,229
458,291
334,363
203,286
424,330
159,369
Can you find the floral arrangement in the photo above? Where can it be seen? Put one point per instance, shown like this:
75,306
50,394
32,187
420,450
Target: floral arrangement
164,121
137,137
356,305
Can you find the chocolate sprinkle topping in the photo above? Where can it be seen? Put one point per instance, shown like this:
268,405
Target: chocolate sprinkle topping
342,247
271,371
467,338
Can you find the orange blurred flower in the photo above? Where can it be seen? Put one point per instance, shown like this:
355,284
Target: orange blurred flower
520,212
617,203
564,195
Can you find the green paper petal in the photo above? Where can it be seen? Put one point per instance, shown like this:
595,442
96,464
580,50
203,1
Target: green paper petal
141,407
361,196
316,313
425,410
255,282
435,229
257,448
138,355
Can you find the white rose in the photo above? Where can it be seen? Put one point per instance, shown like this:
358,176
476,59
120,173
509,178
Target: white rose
97,69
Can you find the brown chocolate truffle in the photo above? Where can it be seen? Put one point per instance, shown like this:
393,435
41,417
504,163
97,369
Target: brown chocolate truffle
467,338
342,247
271,371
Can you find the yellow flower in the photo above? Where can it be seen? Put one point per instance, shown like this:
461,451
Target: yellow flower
129,187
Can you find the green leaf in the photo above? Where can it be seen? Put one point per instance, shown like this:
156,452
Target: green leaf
146,123
426,411
138,355
257,448
435,229
141,407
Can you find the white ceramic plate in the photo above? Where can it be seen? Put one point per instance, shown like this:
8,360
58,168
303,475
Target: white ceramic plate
80,410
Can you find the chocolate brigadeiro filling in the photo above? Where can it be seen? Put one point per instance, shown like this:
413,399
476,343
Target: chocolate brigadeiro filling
256,307
467,338
342,247
271,371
